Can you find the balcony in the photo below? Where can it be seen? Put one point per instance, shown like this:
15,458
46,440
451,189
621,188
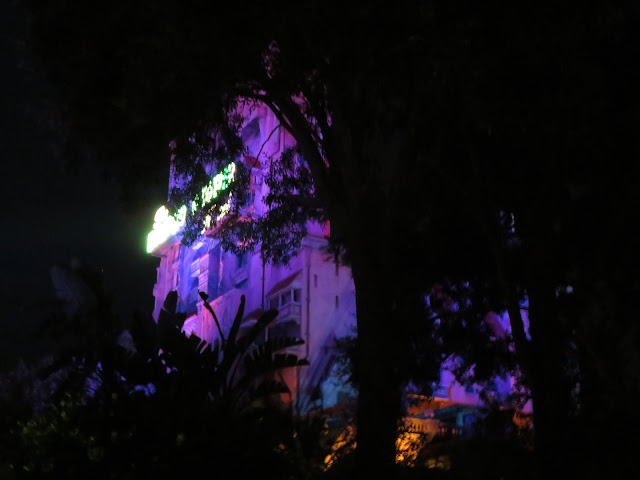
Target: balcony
240,275
291,312
286,328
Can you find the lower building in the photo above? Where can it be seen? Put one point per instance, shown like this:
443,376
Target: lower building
314,296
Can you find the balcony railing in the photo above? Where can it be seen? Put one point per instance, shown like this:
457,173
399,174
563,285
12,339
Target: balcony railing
429,426
292,312
239,275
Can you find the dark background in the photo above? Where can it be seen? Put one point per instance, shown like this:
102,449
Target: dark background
52,212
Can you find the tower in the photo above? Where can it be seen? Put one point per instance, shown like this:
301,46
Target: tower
315,296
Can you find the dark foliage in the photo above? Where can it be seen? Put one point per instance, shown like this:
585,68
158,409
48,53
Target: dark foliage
152,401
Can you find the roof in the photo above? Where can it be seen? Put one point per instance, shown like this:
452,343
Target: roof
251,162
284,283
253,315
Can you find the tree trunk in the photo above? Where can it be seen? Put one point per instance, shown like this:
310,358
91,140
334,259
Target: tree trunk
549,386
379,400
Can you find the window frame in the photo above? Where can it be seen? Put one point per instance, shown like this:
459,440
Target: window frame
290,293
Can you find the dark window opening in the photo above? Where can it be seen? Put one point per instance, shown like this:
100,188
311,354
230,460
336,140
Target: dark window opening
285,298
242,260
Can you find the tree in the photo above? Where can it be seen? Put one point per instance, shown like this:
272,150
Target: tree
424,126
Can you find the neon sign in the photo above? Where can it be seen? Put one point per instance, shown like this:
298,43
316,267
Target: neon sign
166,225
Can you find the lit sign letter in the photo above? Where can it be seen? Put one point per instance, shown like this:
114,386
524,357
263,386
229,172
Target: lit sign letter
166,225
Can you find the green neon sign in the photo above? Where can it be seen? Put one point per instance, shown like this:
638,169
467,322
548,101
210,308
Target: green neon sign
166,225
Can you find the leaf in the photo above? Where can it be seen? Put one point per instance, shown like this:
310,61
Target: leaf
178,320
215,318
167,331
262,358
263,322
280,343
236,322
144,331
171,302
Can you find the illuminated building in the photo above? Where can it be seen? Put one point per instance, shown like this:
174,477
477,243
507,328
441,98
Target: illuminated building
314,296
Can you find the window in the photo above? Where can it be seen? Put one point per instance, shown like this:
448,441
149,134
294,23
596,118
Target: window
241,260
337,301
285,298
315,281
195,268
242,270
250,135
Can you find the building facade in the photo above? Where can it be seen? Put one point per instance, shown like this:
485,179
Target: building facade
315,297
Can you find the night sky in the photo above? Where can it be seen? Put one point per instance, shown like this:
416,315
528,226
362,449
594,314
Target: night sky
51,214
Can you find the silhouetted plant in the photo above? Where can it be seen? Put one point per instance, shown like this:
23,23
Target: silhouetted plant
167,403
